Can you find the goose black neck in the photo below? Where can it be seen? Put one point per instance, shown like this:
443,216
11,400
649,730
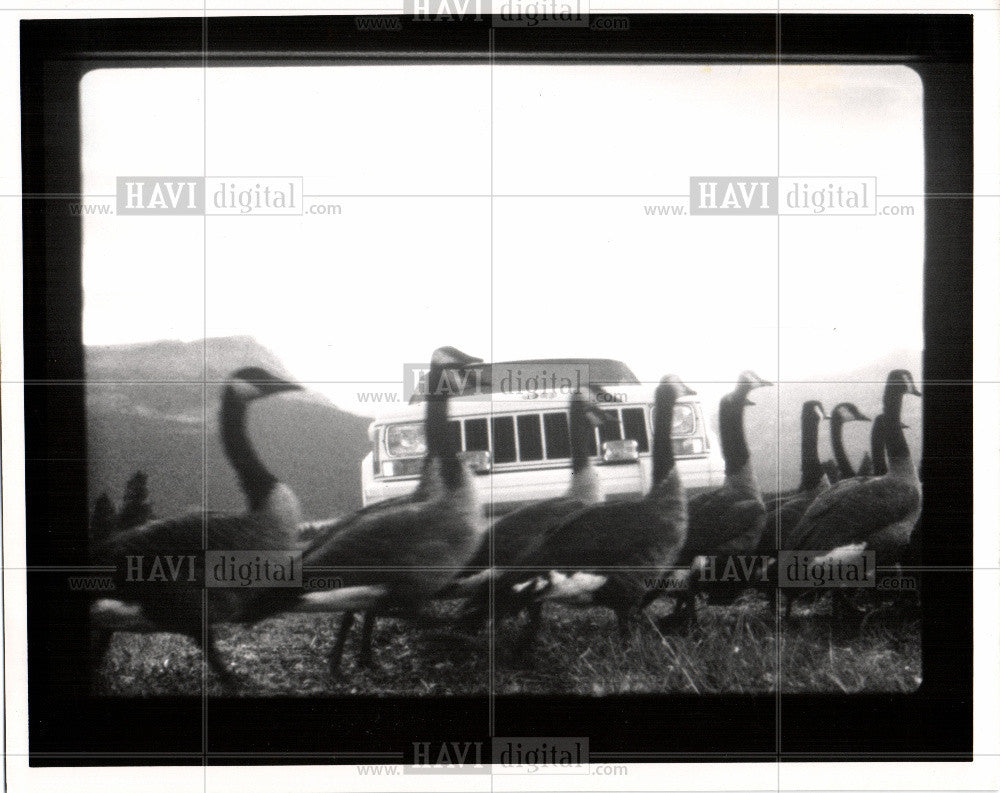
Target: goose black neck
580,429
812,470
837,441
734,442
439,441
879,467
663,445
255,480
895,441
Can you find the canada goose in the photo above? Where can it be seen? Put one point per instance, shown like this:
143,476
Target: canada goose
429,486
400,556
271,523
612,554
784,513
727,521
510,536
842,414
869,513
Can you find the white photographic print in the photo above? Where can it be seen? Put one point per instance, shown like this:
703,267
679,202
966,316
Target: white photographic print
472,391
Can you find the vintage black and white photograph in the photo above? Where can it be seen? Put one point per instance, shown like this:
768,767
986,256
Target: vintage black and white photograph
488,370
623,401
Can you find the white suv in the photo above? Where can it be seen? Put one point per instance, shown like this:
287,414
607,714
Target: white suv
517,434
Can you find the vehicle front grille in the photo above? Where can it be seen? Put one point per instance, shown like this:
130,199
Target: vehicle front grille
544,436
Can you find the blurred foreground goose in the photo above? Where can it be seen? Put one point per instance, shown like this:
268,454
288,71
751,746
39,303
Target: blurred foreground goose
728,521
875,513
612,555
176,606
509,536
395,558
429,487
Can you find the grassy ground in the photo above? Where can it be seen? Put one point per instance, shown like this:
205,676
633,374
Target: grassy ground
734,649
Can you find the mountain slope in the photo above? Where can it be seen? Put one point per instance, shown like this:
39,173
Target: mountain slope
147,408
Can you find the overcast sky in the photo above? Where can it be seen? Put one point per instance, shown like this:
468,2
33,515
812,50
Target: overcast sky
531,272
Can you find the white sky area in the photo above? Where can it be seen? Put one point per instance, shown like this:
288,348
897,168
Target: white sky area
536,270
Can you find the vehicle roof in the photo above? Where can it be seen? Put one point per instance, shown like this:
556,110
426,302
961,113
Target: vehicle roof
631,395
599,371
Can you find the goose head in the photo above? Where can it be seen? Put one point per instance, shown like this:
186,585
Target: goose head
747,382
452,358
813,409
592,407
252,382
899,383
446,361
679,387
848,411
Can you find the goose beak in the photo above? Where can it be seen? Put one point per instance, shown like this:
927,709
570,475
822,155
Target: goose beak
749,402
914,390
277,386
862,417
600,395
905,426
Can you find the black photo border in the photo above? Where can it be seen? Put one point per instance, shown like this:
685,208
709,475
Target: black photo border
68,726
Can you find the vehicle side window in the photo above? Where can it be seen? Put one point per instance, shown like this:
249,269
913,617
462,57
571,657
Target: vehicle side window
556,436
613,430
477,438
634,421
504,450
529,436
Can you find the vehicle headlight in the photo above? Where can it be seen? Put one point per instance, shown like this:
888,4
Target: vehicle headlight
406,440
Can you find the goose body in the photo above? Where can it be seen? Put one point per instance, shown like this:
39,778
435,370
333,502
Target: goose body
727,521
510,537
271,523
396,556
878,511
612,555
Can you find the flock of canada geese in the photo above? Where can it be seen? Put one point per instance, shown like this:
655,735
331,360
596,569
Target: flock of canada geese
393,558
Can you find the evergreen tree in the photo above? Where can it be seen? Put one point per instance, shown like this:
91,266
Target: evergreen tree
104,519
135,503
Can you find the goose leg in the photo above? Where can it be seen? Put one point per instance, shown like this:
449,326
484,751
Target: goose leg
337,653
216,662
365,653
